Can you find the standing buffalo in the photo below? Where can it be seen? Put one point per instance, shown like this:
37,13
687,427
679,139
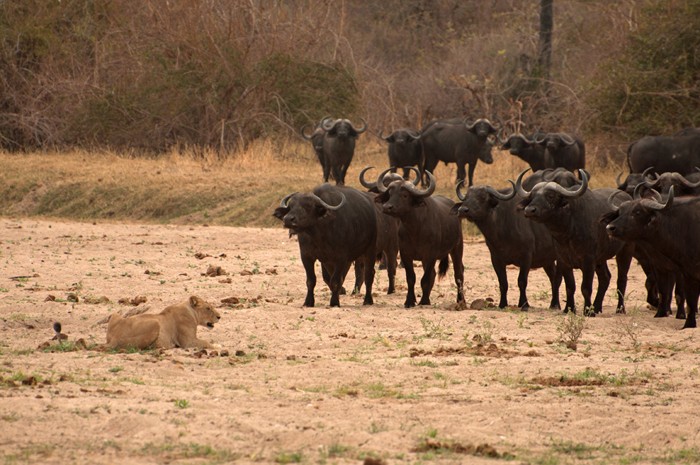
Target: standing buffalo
512,240
456,141
563,150
335,225
679,153
316,138
672,229
572,217
428,232
527,149
334,144
404,150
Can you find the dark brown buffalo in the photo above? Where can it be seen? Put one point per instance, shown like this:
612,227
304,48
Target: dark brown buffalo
572,217
336,225
428,232
671,228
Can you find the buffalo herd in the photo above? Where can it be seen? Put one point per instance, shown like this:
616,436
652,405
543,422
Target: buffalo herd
549,218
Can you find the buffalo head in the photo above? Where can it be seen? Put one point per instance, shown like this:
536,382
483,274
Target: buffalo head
402,136
478,201
387,179
400,196
547,197
632,220
554,141
342,128
303,211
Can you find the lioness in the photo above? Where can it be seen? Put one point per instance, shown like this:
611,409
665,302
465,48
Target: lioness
175,326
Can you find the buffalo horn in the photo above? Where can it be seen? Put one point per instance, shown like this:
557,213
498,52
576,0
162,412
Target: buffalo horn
519,184
617,180
567,139
283,203
362,129
413,135
568,193
328,123
382,136
611,199
422,192
303,134
500,196
458,188
330,207
681,179
380,180
657,205
415,170
366,184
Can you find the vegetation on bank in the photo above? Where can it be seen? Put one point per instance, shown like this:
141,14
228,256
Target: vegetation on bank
196,187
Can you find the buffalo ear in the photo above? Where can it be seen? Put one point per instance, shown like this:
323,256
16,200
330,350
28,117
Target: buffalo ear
280,212
506,146
391,139
609,217
455,209
320,210
522,204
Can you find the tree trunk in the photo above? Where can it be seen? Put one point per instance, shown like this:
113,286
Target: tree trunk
545,44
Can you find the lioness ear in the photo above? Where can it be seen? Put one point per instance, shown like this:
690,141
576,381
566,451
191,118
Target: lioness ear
194,300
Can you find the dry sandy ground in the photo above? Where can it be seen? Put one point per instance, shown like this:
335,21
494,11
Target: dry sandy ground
377,384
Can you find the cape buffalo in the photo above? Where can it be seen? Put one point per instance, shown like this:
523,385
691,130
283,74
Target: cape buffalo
336,225
459,142
334,144
572,217
527,149
404,150
672,229
563,150
511,238
428,232
679,153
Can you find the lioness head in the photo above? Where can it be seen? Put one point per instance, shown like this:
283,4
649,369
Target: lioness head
204,312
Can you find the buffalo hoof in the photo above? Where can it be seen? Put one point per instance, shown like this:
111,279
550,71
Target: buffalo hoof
391,290
368,301
525,308
589,311
690,324
621,310
680,315
661,313
424,302
409,304
309,303
554,306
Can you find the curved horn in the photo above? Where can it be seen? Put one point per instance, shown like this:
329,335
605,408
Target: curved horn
381,135
416,136
568,193
366,184
500,196
380,181
328,123
519,184
681,180
458,188
422,192
415,170
303,134
328,206
648,172
567,139
617,180
541,138
657,205
360,130
611,199
283,203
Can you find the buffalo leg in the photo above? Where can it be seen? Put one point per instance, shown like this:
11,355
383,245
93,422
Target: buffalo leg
570,285
500,269
587,273
522,286
427,281
680,297
458,267
391,271
691,288
554,275
623,260
410,282
336,282
326,172
604,276
369,278
665,286
359,273
310,280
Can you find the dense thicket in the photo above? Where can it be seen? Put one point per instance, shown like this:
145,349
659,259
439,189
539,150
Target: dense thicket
152,74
